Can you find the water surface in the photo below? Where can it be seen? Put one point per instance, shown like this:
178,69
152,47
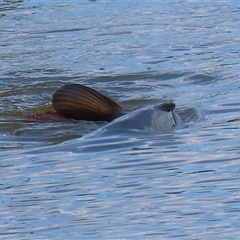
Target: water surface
178,185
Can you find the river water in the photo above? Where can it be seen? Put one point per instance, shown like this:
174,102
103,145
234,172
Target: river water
56,184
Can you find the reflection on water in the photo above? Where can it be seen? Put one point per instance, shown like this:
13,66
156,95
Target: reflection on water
163,183
182,184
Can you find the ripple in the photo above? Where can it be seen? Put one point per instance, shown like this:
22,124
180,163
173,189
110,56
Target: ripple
56,184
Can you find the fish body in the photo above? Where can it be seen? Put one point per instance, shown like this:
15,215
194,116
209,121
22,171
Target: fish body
149,119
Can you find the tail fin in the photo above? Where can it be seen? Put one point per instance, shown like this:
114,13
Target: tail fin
167,107
83,103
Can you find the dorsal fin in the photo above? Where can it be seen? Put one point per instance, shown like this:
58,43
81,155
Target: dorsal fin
83,103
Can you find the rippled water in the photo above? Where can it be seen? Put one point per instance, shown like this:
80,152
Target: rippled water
178,185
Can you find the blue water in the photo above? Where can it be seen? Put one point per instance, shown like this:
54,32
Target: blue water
182,184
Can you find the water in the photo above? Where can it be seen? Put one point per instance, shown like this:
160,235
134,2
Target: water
178,185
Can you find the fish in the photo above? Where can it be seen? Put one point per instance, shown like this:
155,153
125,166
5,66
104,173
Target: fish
74,102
